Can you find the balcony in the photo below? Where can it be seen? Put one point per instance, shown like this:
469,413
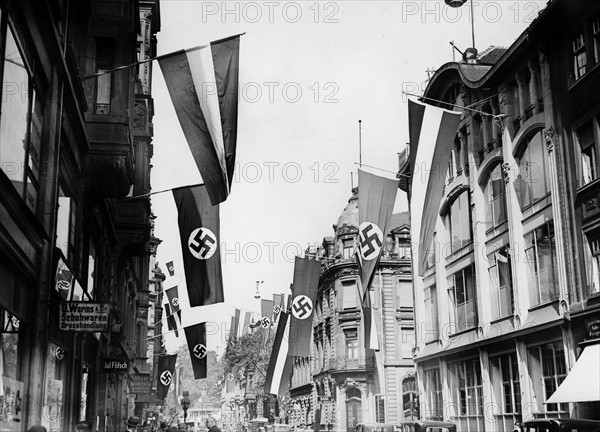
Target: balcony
352,364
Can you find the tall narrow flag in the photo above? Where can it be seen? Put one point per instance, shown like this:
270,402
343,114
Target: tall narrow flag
376,199
199,232
246,324
277,306
432,131
280,363
166,368
230,379
171,268
266,320
196,341
306,283
203,85
173,298
171,323
235,324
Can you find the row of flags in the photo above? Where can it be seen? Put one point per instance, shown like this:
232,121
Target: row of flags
203,85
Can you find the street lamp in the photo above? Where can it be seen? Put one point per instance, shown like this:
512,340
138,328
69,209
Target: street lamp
185,404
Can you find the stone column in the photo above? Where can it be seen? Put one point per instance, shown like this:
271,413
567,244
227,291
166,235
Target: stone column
533,86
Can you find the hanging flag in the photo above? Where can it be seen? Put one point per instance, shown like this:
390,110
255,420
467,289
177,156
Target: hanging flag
376,199
277,306
173,298
230,379
171,268
196,342
235,324
246,324
266,311
432,131
279,370
304,292
203,85
199,230
166,368
171,323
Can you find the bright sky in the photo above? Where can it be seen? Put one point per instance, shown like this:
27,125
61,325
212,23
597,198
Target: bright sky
308,72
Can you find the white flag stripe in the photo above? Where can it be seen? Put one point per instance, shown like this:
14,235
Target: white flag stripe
281,358
203,74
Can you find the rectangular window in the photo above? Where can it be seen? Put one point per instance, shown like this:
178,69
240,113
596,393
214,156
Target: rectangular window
461,290
579,56
432,331
540,257
496,198
500,274
351,345
591,249
9,366
349,294
466,387
589,161
20,125
433,392
348,248
505,378
548,362
66,224
460,222
379,408
104,63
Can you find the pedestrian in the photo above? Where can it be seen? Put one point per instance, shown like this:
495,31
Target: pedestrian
132,423
83,426
211,424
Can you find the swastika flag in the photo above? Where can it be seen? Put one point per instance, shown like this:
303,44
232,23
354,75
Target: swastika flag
304,292
166,369
196,341
199,229
376,199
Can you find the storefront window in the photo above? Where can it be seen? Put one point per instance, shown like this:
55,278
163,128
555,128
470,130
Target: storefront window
52,413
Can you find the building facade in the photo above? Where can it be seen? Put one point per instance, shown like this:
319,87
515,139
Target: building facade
71,150
510,298
343,384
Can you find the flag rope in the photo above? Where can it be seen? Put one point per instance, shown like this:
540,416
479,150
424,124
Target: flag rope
97,74
494,116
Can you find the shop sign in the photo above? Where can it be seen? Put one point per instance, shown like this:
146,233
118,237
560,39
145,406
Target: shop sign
84,316
324,398
592,328
141,384
111,364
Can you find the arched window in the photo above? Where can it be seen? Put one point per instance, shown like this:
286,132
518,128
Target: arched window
533,179
410,399
495,197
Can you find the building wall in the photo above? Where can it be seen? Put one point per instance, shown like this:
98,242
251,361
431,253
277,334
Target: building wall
504,293
63,236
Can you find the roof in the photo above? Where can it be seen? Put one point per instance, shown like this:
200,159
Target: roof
399,219
491,55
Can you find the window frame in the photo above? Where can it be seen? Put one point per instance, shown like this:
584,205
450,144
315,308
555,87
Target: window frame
494,267
535,247
491,223
452,293
580,135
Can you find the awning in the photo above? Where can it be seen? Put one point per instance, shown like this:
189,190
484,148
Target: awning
582,384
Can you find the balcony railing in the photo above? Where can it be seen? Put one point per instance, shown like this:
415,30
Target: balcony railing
345,363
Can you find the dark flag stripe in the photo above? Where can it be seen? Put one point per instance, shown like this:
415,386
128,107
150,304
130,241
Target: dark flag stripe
171,323
304,292
279,356
226,60
203,277
166,368
196,341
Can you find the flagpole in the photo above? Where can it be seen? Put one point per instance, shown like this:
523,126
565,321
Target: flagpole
155,58
157,192
461,107
359,143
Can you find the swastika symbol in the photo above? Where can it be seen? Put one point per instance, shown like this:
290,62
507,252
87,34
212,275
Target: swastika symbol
200,351
265,322
165,378
60,353
370,240
230,376
202,243
302,307
175,301
276,309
